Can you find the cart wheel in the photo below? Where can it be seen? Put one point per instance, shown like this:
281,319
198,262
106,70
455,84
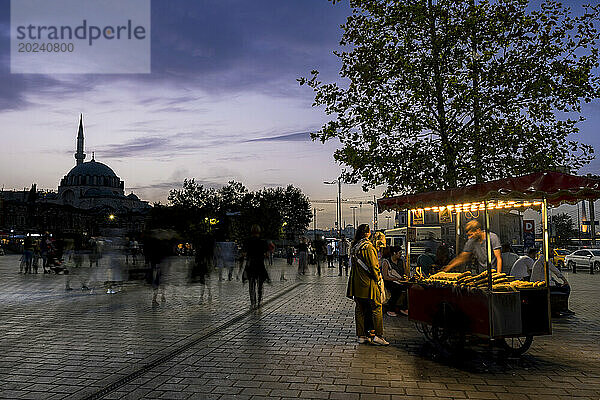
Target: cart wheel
515,346
425,330
449,340
445,330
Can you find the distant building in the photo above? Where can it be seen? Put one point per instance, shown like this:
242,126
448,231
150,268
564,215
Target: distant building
93,184
90,200
348,231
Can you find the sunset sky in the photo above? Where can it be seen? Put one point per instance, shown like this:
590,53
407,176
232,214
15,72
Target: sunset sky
221,103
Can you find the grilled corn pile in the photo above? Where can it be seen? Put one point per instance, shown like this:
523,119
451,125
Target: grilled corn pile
500,281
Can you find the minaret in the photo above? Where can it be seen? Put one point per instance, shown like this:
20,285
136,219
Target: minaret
80,155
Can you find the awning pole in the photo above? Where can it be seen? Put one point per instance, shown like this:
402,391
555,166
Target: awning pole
456,249
488,246
488,243
408,216
546,240
546,258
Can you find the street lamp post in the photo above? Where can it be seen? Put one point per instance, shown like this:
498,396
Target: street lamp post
339,202
340,211
315,221
354,218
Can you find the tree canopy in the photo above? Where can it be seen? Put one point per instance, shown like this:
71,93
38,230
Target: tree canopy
564,229
438,94
230,211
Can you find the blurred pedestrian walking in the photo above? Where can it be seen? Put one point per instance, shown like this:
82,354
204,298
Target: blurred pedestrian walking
225,259
158,245
271,251
27,254
330,251
320,253
95,253
36,258
302,257
343,260
255,250
45,247
203,264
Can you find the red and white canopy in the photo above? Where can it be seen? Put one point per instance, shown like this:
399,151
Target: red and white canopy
557,188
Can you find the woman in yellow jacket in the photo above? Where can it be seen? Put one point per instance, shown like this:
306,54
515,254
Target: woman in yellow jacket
364,288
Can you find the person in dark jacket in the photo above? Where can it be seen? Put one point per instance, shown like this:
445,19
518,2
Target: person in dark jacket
302,257
158,246
203,264
255,250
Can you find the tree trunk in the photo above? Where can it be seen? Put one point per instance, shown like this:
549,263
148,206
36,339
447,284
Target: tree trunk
477,151
447,149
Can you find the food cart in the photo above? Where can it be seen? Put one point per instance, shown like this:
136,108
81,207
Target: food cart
488,305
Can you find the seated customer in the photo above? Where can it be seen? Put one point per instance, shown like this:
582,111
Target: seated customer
509,257
391,263
425,262
521,269
538,274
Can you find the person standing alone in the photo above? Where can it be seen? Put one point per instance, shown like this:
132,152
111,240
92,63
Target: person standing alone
364,288
302,257
329,255
256,250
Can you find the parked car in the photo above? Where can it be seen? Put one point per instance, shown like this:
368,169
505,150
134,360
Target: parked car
558,257
583,258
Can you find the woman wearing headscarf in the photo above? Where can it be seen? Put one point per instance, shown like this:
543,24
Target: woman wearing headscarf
380,244
364,288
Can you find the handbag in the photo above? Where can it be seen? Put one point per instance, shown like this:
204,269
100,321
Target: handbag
383,297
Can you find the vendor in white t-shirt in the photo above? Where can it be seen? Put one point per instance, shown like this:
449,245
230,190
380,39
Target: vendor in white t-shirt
477,246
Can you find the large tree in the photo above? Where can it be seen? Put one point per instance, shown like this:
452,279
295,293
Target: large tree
293,207
563,229
436,94
277,210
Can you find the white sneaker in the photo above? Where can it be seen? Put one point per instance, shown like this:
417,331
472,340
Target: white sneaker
363,339
379,341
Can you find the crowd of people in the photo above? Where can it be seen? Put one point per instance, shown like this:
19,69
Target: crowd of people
318,252
150,255
377,272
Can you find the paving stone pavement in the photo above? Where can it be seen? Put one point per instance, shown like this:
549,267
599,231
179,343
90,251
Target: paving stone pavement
58,344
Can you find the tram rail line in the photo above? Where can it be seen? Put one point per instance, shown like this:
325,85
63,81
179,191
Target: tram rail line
138,372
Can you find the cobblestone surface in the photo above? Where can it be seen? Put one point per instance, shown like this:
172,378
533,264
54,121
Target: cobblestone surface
77,344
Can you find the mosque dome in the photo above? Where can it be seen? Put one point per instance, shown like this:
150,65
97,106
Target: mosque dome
93,184
92,168
93,173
